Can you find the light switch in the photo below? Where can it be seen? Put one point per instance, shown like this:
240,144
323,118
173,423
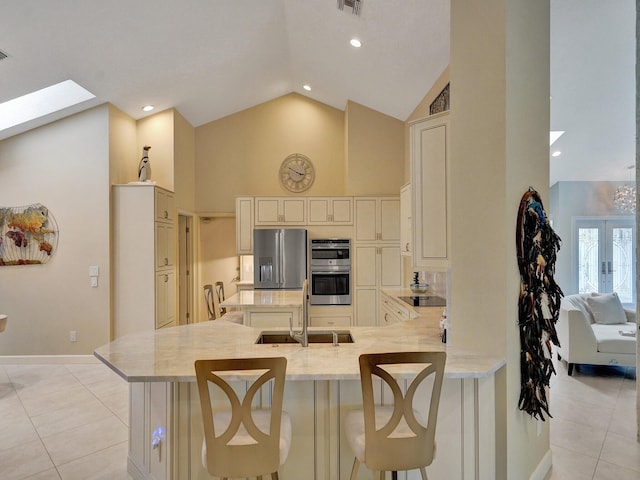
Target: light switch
94,281
94,271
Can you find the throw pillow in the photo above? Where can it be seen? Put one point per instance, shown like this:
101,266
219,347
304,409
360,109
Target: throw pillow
607,309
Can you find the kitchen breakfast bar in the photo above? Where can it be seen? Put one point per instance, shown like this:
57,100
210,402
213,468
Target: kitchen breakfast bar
322,385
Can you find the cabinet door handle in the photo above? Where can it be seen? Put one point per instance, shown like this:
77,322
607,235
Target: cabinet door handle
166,214
166,261
406,247
385,317
166,278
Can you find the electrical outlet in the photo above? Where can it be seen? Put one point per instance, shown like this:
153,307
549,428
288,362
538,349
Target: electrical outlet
72,336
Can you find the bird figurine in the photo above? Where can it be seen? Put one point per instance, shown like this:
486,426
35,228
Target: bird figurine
144,168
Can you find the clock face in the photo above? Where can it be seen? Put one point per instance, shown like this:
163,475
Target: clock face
297,173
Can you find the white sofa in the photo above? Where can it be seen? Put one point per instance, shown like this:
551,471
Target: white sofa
589,329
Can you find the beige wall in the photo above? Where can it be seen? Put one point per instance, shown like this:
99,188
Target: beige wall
499,147
64,166
184,161
241,154
359,152
375,152
124,154
159,132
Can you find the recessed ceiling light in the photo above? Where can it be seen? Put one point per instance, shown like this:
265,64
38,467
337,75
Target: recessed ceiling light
148,108
355,43
42,102
307,87
557,153
554,135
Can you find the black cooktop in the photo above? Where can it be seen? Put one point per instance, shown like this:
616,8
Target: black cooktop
424,301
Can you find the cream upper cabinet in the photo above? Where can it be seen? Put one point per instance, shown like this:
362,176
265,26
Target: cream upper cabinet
330,210
430,191
280,210
377,219
244,225
405,220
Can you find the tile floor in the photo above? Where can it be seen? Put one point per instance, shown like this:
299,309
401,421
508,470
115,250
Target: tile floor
63,422
593,432
69,422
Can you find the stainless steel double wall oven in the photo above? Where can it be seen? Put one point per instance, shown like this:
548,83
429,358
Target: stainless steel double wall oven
330,271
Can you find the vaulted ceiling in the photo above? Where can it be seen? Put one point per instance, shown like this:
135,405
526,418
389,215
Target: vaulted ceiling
211,58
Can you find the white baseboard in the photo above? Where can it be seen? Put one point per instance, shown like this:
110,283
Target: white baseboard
544,467
46,359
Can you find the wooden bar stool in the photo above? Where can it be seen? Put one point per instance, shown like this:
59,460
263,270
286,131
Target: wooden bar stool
208,299
231,316
243,441
395,438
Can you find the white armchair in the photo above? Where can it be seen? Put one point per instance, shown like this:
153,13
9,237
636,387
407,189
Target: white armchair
595,330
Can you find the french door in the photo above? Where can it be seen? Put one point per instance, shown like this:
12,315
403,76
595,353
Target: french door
605,249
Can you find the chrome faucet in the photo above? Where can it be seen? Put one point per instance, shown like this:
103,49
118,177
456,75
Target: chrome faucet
302,336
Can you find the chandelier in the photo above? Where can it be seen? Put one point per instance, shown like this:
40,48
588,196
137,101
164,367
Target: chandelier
625,198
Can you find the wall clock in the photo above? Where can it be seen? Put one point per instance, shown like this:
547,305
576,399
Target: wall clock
297,173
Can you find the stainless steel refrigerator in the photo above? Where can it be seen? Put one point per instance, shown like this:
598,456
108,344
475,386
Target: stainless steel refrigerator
279,258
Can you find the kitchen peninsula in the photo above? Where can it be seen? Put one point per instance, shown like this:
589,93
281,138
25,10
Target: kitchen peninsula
322,385
267,308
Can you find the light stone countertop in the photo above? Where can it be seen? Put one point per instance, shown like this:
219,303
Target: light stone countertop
168,354
406,292
264,298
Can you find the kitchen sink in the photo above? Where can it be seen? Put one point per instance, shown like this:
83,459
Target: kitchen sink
344,336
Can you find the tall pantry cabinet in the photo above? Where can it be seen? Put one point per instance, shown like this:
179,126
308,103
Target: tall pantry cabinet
144,267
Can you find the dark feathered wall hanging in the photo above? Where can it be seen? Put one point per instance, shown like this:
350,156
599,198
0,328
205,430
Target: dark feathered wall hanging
539,302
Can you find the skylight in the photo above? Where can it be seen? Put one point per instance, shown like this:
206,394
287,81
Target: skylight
42,102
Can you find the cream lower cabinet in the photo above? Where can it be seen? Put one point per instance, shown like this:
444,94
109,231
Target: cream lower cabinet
429,140
330,316
376,267
166,432
391,311
144,286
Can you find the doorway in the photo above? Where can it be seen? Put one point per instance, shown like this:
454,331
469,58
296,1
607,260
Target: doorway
185,269
605,256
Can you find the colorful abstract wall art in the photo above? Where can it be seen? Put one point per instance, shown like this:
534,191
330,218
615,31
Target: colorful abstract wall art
28,235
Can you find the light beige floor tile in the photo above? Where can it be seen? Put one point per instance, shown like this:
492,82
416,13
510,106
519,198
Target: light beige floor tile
86,439
10,404
48,475
610,471
571,409
32,374
568,465
39,405
88,374
108,464
624,420
16,430
70,417
595,391
22,461
622,451
47,385
577,437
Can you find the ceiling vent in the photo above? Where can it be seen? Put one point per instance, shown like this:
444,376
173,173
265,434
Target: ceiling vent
3,55
354,5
